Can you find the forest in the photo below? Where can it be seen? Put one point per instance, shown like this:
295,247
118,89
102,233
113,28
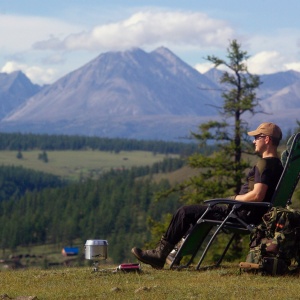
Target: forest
23,142
38,208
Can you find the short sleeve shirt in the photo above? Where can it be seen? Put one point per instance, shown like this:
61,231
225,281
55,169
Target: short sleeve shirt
267,171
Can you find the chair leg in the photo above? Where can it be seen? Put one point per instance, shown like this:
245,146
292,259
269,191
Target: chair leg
225,251
190,259
212,239
209,207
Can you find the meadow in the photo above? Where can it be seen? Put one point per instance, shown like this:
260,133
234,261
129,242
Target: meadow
77,164
82,283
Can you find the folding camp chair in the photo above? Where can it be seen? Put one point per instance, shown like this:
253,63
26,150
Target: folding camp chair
199,237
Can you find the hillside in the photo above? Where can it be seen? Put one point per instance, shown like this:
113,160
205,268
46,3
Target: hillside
115,207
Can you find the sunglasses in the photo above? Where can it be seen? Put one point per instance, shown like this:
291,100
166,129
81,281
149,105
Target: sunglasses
258,137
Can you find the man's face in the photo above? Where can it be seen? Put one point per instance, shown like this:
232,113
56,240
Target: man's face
259,142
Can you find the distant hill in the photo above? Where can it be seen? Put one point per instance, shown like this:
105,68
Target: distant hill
134,94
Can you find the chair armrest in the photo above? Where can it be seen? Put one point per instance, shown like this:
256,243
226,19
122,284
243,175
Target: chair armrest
213,202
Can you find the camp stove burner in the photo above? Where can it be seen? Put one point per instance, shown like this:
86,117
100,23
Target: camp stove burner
96,250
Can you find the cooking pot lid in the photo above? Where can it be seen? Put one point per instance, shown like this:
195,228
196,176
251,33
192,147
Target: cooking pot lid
96,242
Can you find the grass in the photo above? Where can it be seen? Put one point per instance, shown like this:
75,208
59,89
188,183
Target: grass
82,283
176,176
76,164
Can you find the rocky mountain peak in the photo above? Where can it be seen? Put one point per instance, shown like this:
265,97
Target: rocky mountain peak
15,89
133,94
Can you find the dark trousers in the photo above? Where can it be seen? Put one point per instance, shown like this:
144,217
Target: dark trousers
187,216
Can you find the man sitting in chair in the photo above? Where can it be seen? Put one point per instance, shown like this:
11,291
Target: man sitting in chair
260,186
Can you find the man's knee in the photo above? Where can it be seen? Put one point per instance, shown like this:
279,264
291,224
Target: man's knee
190,210
182,210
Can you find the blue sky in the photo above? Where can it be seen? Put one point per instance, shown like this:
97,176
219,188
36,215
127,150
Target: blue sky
49,39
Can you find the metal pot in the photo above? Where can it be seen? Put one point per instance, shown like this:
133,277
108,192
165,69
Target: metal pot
96,249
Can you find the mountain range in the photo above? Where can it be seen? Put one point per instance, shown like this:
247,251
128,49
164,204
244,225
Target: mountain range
135,94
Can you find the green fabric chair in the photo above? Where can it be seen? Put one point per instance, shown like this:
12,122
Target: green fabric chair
199,238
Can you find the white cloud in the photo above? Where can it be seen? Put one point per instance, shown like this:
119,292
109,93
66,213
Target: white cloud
268,62
293,66
278,51
204,67
148,28
42,43
35,73
19,33
265,62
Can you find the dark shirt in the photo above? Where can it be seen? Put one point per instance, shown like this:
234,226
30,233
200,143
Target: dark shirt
267,171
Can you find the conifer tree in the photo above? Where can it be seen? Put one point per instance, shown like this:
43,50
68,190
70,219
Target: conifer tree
221,174
19,155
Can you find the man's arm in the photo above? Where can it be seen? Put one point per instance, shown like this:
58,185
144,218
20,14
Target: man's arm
256,195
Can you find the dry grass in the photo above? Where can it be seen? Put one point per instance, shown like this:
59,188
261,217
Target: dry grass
82,283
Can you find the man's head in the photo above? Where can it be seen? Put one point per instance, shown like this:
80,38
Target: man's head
267,129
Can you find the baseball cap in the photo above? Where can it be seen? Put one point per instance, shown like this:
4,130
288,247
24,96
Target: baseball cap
269,129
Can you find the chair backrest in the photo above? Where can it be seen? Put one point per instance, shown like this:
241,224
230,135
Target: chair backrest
290,175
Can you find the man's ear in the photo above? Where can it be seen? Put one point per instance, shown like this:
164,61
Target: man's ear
268,139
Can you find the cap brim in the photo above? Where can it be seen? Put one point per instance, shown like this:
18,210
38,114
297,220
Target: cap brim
254,132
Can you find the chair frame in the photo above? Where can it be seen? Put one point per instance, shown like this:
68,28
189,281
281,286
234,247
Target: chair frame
233,223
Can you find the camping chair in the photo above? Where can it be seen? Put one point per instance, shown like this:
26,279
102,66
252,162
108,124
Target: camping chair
233,224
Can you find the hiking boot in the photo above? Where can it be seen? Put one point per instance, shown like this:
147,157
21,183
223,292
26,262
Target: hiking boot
156,258
170,258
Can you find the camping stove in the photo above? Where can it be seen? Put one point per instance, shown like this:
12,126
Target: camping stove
96,250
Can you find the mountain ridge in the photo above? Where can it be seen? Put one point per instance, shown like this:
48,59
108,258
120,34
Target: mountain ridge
135,94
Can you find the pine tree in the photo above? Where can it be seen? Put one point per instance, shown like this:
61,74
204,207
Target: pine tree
43,156
223,172
19,155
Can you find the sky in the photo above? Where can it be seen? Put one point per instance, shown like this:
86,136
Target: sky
49,39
